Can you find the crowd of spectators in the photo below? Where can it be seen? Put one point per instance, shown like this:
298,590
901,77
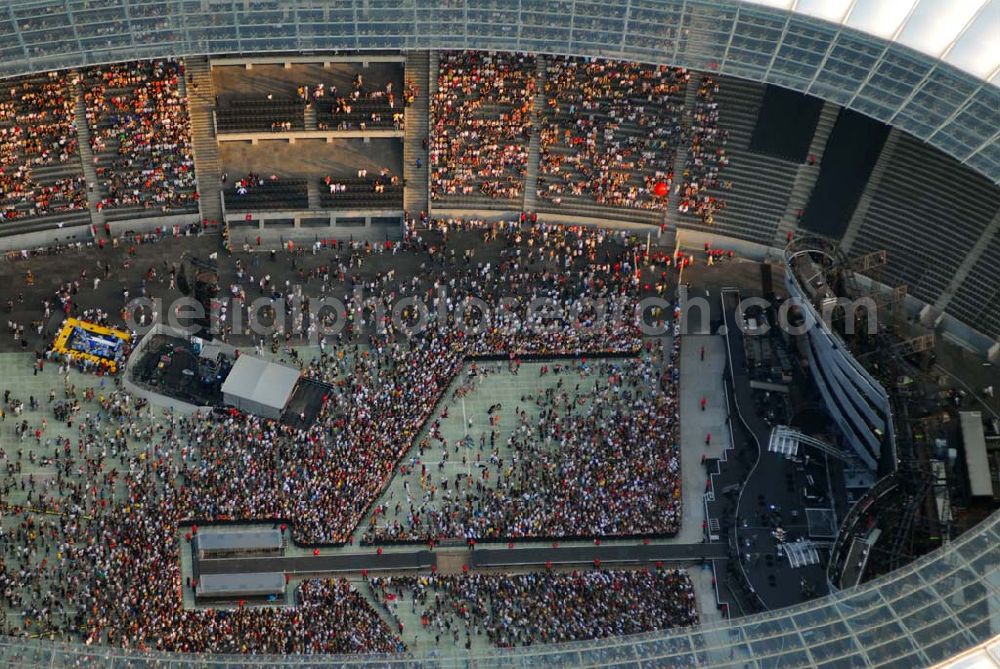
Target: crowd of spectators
563,471
382,396
610,131
251,181
141,135
101,569
376,184
541,607
90,548
37,132
480,119
706,156
361,108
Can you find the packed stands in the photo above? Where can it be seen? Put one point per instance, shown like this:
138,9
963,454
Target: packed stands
40,170
140,138
610,132
481,128
706,155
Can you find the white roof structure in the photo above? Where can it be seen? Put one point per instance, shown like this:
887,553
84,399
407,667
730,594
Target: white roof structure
962,33
235,540
983,656
257,386
257,584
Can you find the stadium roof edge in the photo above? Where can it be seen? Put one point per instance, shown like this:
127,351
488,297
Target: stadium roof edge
855,53
957,32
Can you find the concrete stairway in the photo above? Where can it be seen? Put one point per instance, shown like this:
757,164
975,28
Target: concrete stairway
806,175
204,145
865,201
95,190
680,161
312,189
534,148
415,194
311,119
991,232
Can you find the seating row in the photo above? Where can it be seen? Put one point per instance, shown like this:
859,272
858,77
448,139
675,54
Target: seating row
284,194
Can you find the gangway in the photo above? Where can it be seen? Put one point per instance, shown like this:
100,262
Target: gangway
802,553
787,440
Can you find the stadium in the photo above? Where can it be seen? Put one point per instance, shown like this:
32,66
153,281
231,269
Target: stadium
658,333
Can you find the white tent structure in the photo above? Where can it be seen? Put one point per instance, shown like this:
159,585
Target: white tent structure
257,386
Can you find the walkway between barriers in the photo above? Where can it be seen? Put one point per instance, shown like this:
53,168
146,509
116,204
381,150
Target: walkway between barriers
482,557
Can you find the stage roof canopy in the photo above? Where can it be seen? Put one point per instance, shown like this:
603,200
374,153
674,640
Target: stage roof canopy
234,541
257,386
241,585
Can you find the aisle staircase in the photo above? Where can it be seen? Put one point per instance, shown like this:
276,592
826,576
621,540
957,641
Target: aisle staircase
806,175
204,145
534,148
415,195
95,190
874,180
312,192
680,161
311,120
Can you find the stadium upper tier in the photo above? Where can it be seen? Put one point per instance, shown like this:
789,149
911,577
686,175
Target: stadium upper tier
929,67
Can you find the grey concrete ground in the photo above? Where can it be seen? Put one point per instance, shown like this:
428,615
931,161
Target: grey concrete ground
282,82
311,158
700,379
702,577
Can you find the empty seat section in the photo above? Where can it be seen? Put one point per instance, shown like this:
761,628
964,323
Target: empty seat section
928,212
361,193
253,194
259,114
363,114
977,300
